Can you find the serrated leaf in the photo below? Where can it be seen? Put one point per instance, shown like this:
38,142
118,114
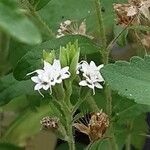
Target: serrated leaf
15,23
130,79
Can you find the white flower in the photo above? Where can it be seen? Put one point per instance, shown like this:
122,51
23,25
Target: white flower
60,73
49,76
92,75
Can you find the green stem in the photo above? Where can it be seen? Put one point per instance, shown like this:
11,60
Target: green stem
71,141
39,19
105,55
69,124
68,92
43,23
102,33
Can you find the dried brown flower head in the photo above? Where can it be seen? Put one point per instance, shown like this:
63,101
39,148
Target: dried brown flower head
134,2
125,13
97,126
49,123
69,27
131,12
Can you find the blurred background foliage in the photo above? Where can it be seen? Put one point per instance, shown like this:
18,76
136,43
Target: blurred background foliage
27,27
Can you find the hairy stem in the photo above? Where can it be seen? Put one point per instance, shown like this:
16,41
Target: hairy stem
102,33
71,141
39,19
69,124
105,55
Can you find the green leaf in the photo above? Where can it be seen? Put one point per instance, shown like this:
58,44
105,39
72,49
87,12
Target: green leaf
77,10
26,125
11,88
8,146
14,22
38,4
130,79
122,40
16,51
100,145
125,109
33,59
28,63
132,129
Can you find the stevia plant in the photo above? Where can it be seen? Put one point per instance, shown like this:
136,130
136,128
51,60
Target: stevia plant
59,73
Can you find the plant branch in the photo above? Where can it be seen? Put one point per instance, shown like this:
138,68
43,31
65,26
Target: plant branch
38,17
105,55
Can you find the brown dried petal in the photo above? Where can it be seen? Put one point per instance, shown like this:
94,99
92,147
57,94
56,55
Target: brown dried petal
82,128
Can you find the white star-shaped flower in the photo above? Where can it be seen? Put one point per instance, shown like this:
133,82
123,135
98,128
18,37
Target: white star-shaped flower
49,76
91,74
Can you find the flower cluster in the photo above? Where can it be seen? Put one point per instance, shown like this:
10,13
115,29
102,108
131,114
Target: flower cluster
91,74
128,13
53,74
49,75
69,27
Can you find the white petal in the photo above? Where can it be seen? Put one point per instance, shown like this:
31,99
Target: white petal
83,83
47,66
38,86
40,71
91,86
66,75
98,85
46,87
36,71
92,64
58,80
44,77
35,79
100,66
77,72
56,65
65,69
84,67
